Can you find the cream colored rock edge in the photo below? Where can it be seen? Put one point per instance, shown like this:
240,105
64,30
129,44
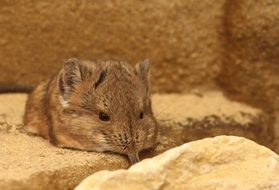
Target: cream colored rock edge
223,163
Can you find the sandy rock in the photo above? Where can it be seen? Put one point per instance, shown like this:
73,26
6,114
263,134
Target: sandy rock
223,163
29,162
189,117
250,69
251,58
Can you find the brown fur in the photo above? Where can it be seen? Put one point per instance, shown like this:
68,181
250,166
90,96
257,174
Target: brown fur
86,89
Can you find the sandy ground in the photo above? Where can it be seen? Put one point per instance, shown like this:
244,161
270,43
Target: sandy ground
25,159
198,106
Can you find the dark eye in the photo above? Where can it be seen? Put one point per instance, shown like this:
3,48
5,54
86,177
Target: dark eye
103,116
141,115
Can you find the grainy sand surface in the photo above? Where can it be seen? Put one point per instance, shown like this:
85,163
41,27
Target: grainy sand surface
24,157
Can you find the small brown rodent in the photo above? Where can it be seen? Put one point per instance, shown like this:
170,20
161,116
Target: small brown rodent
95,106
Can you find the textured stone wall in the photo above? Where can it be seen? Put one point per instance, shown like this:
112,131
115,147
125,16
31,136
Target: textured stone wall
250,69
180,37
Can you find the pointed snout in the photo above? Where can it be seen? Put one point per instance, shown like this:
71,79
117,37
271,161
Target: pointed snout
133,157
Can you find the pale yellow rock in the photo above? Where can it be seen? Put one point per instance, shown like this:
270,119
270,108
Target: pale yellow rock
220,163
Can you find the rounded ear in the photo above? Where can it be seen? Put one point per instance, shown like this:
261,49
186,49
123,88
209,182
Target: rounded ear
69,77
142,69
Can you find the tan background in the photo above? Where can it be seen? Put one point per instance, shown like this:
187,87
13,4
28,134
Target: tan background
233,44
228,45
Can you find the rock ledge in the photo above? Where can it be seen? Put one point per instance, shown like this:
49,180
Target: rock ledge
223,162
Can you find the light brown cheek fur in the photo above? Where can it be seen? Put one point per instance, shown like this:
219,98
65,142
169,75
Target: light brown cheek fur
81,132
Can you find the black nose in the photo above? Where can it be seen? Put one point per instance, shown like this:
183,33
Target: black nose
134,158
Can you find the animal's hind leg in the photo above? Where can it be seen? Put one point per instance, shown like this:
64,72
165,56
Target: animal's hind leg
35,119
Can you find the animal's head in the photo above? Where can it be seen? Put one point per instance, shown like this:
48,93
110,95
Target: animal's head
108,106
